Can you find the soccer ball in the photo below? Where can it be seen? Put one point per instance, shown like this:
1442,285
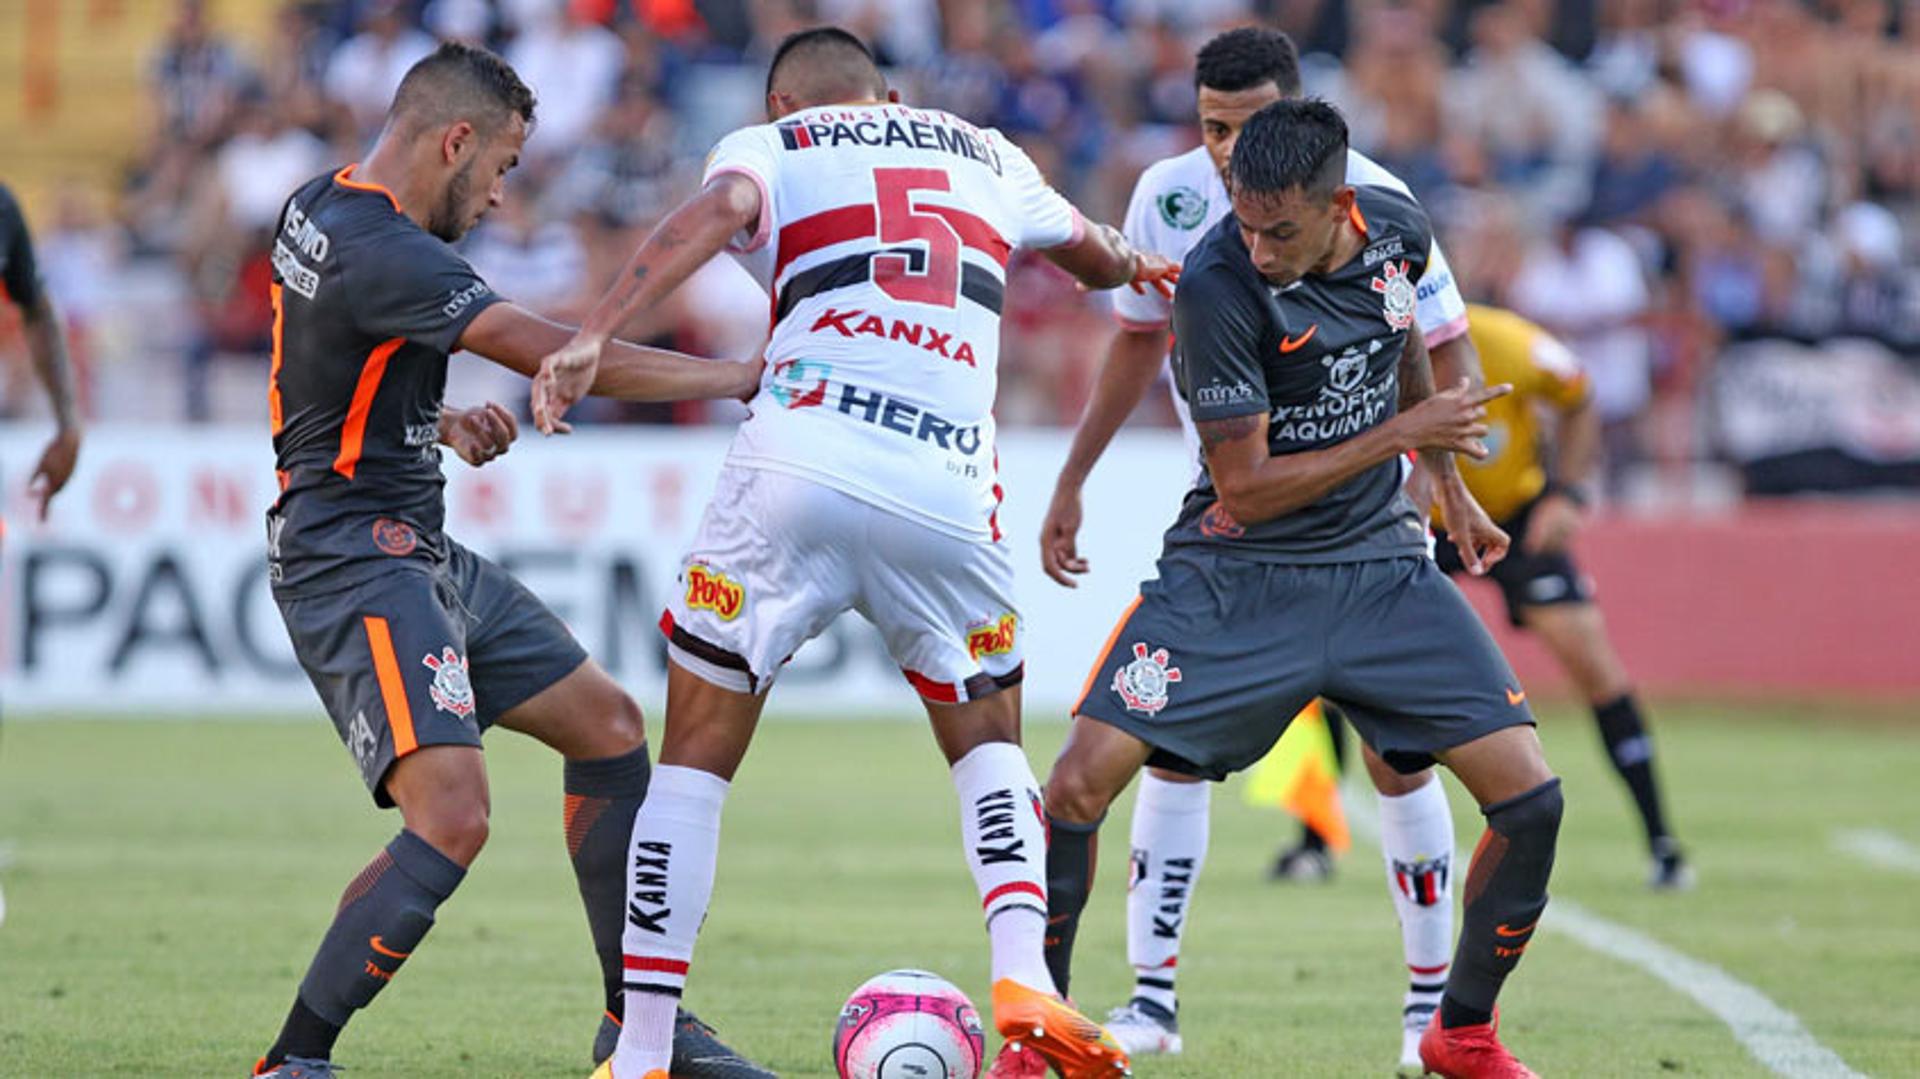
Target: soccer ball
908,1024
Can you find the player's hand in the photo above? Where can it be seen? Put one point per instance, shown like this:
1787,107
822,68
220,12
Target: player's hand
479,435
1059,550
1155,272
55,467
1453,420
751,372
1481,543
1555,520
565,377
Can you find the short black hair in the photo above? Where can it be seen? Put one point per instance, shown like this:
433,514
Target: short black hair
1290,144
1244,58
461,82
842,64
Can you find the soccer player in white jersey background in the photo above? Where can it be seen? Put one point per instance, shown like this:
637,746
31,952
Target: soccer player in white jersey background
865,479
1175,202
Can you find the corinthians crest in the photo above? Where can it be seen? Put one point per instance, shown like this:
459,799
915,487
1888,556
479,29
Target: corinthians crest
1397,292
451,690
1143,683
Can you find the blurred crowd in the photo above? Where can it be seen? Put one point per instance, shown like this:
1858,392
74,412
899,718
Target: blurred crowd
1652,179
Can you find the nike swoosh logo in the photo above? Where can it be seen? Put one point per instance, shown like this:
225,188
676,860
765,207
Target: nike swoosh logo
1290,344
384,950
1515,698
1502,930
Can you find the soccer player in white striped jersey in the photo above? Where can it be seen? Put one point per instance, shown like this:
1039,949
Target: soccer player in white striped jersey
1174,203
865,479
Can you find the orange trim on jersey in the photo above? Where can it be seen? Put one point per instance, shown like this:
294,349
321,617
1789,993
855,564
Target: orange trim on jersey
345,179
393,688
1105,651
1353,214
353,433
279,354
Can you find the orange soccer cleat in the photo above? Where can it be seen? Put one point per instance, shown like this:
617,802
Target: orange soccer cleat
1076,1047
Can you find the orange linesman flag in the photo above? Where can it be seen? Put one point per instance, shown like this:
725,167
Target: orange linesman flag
1302,776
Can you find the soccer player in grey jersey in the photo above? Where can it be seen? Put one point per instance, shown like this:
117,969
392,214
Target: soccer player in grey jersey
1297,565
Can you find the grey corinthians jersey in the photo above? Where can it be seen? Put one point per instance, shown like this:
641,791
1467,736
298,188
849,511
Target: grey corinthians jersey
1321,359
367,305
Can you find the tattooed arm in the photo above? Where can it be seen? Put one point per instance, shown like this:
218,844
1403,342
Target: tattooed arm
678,246
1481,542
1256,486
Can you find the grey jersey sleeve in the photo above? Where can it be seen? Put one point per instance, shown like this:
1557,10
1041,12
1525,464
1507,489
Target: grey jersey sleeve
1220,334
415,287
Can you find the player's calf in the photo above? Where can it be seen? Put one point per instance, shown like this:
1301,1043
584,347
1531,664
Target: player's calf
1505,893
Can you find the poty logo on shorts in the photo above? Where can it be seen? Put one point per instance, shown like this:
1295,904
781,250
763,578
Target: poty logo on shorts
710,590
993,638
451,690
1143,683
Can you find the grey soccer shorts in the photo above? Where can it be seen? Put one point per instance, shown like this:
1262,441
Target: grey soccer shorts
426,654
1218,654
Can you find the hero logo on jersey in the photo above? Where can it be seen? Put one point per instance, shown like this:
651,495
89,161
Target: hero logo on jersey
800,383
1182,208
1142,684
1397,292
451,690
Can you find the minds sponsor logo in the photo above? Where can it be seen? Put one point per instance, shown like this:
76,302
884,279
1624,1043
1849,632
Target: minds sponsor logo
1217,394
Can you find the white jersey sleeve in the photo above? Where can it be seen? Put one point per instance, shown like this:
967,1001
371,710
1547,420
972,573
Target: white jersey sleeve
753,153
1047,219
1440,310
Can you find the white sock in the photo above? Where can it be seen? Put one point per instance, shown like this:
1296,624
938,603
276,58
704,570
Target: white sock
1004,830
676,843
1416,834
1170,826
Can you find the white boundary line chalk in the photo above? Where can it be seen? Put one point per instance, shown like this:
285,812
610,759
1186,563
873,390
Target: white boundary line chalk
1879,847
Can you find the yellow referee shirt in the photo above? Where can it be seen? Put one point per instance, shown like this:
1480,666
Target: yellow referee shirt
1543,372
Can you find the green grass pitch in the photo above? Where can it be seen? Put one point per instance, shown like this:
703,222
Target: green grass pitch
167,883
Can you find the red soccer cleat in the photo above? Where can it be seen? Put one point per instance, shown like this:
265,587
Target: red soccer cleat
1016,1061
1471,1052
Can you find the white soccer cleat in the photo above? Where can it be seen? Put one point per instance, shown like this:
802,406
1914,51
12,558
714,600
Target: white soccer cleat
1413,1024
1144,1028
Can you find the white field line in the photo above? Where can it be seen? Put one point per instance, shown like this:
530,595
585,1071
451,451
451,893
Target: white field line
1881,848
6,859
1769,1033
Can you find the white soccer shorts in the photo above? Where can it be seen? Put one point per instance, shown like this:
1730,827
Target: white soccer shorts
779,557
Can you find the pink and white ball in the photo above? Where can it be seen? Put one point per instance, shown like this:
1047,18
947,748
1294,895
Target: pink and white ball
908,1024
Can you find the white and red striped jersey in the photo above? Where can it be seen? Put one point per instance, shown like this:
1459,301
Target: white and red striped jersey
882,242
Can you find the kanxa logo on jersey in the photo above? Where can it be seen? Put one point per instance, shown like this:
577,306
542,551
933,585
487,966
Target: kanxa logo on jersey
993,638
910,333
871,128
708,589
452,690
1143,684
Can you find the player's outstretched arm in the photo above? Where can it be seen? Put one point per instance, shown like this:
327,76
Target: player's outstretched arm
1133,363
678,246
1102,258
517,338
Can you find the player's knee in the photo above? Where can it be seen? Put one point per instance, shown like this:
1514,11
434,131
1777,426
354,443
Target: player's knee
1533,816
457,828
626,727
1072,796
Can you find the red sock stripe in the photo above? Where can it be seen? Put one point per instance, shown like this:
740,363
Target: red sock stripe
649,963
1012,887
1441,969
